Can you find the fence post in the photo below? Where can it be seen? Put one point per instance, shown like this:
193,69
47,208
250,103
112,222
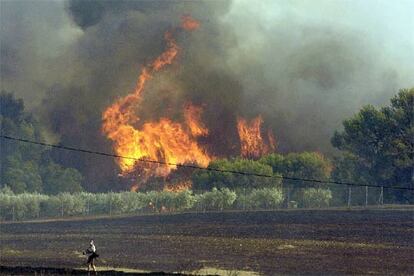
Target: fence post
13,214
244,200
381,198
88,206
366,196
110,205
61,208
287,196
349,196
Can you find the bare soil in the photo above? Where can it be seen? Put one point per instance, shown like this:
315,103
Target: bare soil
317,242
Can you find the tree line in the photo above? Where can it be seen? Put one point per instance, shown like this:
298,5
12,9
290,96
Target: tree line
25,167
375,147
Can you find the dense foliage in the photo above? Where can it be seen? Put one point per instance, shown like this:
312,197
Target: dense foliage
206,180
27,167
266,198
305,165
32,205
378,147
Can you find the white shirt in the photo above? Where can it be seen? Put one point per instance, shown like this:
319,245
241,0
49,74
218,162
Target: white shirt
91,249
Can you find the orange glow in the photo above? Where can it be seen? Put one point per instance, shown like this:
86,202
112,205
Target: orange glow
188,23
272,140
178,187
134,188
192,115
252,143
164,141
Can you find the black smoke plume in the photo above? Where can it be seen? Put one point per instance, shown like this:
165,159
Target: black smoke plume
71,60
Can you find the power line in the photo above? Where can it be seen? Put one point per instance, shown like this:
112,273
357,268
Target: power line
201,168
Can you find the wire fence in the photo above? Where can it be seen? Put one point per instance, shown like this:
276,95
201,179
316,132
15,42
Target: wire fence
17,207
310,193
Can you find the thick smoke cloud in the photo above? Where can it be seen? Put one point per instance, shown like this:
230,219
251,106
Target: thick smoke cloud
34,38
305,72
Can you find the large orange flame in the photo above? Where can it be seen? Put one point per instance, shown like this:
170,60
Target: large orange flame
165,142
192,116
252,144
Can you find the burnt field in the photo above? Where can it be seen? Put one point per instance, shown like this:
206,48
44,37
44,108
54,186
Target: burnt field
377,241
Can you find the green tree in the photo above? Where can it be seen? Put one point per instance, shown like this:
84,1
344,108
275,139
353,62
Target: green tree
381,144
57,179
22,176
305,165
216,199
24,167
266,198
207,180
315,197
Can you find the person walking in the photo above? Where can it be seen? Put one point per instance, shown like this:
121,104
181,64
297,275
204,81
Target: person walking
92,255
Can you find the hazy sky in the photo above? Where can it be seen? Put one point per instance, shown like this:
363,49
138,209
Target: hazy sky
389,23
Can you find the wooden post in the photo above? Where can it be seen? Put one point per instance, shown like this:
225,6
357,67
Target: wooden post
349,196
366,196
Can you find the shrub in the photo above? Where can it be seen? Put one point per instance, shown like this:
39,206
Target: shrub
316,197
99,203
184,200
33,203
204,180
259,198
134,202
217,199
22,206
6,206
266,198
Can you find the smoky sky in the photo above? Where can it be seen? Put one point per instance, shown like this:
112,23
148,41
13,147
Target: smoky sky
304,65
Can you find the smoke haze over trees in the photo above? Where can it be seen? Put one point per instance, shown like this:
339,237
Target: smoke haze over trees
305,66
25,167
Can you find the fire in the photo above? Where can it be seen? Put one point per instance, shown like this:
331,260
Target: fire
272,140
178,187
164,142
134,188
251,141
192,116
188,23
154,148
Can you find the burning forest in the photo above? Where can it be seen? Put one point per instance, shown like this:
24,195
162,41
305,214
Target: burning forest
201,132
189,82
166,143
